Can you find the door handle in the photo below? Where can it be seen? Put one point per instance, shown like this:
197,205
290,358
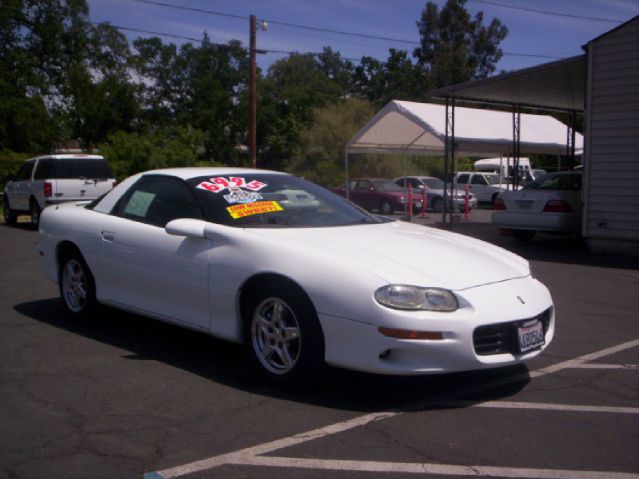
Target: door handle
107,236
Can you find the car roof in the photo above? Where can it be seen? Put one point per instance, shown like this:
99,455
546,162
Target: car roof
70,156
196,171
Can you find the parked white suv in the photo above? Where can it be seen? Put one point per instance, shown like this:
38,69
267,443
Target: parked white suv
485,186
50,179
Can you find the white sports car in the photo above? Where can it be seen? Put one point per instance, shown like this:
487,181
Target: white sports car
213,249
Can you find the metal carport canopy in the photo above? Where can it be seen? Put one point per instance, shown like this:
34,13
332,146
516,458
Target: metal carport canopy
558,85
404,127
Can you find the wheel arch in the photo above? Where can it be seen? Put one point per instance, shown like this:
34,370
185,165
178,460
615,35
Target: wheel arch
251,285
63,248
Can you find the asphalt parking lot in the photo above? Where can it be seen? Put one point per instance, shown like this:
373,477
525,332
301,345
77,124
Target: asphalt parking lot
122,396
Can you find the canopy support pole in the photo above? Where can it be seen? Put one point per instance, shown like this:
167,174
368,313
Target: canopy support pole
449,163
570,139
516,143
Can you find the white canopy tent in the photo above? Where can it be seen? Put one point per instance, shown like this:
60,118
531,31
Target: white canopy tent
410,128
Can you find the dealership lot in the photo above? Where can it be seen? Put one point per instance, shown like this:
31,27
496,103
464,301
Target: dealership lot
124,396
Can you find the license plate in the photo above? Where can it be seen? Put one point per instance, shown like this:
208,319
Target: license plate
524,205
531,335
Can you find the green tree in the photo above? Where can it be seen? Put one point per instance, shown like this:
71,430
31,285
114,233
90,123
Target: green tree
396,79
455,47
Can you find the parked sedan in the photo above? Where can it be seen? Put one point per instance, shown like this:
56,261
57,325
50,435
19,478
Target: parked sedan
552,203
434,188
378,194
301,283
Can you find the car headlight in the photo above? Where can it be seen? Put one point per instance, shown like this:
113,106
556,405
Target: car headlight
402,296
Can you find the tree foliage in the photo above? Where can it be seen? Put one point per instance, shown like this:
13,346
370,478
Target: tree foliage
153,103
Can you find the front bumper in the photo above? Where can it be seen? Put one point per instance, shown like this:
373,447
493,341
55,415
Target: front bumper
359,345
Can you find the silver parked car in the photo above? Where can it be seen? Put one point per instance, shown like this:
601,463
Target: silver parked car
552,203
435,192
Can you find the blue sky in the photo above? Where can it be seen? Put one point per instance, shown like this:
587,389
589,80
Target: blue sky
530,33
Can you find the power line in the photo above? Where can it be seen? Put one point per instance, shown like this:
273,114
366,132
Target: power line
275,22
548,12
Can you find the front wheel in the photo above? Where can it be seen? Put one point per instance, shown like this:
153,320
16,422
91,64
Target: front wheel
283,334
10,218
77,286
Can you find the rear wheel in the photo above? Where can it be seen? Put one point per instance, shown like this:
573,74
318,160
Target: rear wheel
10,218
34,210
282,334
77,286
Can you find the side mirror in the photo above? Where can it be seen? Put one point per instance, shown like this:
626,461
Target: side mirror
188,227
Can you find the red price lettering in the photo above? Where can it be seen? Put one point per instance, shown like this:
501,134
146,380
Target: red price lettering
223,182
255,185
205,185
237,181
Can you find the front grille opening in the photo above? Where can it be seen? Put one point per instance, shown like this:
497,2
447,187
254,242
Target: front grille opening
501,338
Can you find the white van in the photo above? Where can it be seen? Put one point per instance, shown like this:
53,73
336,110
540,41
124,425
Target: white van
50,179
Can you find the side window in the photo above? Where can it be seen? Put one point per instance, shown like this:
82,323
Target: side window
364,185
24,173
478,180
156,200
401,181
462,179
43,169
352,184
414,183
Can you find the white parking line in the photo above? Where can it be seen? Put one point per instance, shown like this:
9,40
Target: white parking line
543,406
251,455
425,468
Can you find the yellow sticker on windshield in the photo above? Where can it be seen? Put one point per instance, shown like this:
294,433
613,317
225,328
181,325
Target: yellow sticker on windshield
250,209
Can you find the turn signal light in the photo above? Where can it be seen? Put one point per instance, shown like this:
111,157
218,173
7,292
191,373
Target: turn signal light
499,204
407,334
48,189
557,206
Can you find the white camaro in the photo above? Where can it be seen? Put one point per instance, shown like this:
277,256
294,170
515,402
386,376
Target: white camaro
296,272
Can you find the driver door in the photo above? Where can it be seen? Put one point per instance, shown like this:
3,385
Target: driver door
142,267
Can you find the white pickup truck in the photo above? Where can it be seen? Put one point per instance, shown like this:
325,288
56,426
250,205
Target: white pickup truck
50,179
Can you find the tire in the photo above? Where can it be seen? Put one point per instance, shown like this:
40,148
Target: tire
282,334
10,218
523,236
385,207
34,211
493,198
437,205
77,286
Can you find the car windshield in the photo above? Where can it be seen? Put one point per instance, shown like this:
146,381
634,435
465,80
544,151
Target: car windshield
493,179
557,182
434,183
272,200
387,186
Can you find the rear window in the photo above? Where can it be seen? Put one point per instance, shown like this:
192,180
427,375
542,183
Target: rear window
80,168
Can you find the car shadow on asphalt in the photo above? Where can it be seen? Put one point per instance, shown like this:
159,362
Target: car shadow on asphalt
226,363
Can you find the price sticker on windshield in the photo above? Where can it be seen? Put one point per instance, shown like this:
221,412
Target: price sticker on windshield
250,209
220,183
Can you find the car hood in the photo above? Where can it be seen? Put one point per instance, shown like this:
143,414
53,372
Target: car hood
404,253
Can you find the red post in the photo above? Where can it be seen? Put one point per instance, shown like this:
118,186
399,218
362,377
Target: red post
466,188
424,202
410,203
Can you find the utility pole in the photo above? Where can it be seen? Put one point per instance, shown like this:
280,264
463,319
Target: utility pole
252,95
